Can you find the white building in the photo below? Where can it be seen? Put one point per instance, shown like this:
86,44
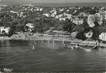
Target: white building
69,16
74,34
91,20
14,12
105,15
102,36
4,30
30,27
89,34
99,18
77,21
46,14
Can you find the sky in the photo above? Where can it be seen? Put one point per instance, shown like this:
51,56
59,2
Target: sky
66,1
52,1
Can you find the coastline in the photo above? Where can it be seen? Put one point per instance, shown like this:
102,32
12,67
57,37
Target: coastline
65,39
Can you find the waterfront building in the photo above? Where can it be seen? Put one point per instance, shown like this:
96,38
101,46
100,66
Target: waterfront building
102,36
4,30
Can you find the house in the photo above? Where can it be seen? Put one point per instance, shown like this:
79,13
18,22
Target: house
105,15
83,14
102,36
68,16
99,18
62,19
29,27
89,34
46,14
53,13
61,9
39,9
91,20
4,30
77,21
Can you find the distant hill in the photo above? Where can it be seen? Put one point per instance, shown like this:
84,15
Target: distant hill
69,4
20,2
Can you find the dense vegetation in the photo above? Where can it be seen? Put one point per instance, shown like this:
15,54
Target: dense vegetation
17,17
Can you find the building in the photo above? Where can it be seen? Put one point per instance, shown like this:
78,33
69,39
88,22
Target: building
102,36
4,30
77,21
91,20
29,27
99,18
89,35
